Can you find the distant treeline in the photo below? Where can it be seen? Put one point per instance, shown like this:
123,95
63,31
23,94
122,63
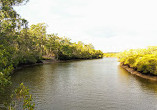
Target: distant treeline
27,46
142,60
110,54
22,45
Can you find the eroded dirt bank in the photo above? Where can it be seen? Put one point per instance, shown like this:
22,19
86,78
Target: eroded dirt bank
134,72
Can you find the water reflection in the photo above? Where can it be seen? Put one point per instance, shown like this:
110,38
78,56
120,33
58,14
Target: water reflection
144,84
87,85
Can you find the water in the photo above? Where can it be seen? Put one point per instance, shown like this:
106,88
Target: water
87,85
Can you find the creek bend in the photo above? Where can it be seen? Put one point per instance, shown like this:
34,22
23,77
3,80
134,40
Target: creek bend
99,84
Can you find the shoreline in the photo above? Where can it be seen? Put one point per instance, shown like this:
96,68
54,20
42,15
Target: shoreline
47,61
139,74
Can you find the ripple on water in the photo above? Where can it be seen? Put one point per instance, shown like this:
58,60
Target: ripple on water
87,85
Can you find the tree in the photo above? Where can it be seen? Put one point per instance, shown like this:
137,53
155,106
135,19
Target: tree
10,25
39,31
21,99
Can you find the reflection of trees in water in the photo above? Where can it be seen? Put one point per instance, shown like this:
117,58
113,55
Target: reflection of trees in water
144,84
123,75
39,79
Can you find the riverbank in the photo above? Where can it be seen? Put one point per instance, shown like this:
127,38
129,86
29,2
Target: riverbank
134,72
45,61
48,61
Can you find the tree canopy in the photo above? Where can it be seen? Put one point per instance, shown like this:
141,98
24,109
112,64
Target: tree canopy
142,60
21,45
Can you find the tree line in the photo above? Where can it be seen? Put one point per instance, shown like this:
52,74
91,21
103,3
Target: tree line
111,54
142,60
20,44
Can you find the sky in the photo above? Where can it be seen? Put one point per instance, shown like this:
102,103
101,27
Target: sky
110,25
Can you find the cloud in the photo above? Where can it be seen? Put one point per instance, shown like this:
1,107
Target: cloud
110,25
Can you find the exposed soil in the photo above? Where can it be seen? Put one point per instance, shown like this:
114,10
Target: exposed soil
134,72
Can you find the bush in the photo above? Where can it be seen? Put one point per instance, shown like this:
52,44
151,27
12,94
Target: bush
143,60
147,64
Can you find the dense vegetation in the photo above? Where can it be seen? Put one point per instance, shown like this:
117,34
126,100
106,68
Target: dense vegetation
22,45
63,49
142,60
23,99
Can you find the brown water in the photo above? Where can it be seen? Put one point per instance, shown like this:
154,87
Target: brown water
87,85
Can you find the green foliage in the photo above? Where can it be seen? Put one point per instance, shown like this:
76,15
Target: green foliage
20,45
10,24
63,49
15,44
21,99
4,82
147,64
143,60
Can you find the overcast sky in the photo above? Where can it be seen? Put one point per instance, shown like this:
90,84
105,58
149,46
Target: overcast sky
110,25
